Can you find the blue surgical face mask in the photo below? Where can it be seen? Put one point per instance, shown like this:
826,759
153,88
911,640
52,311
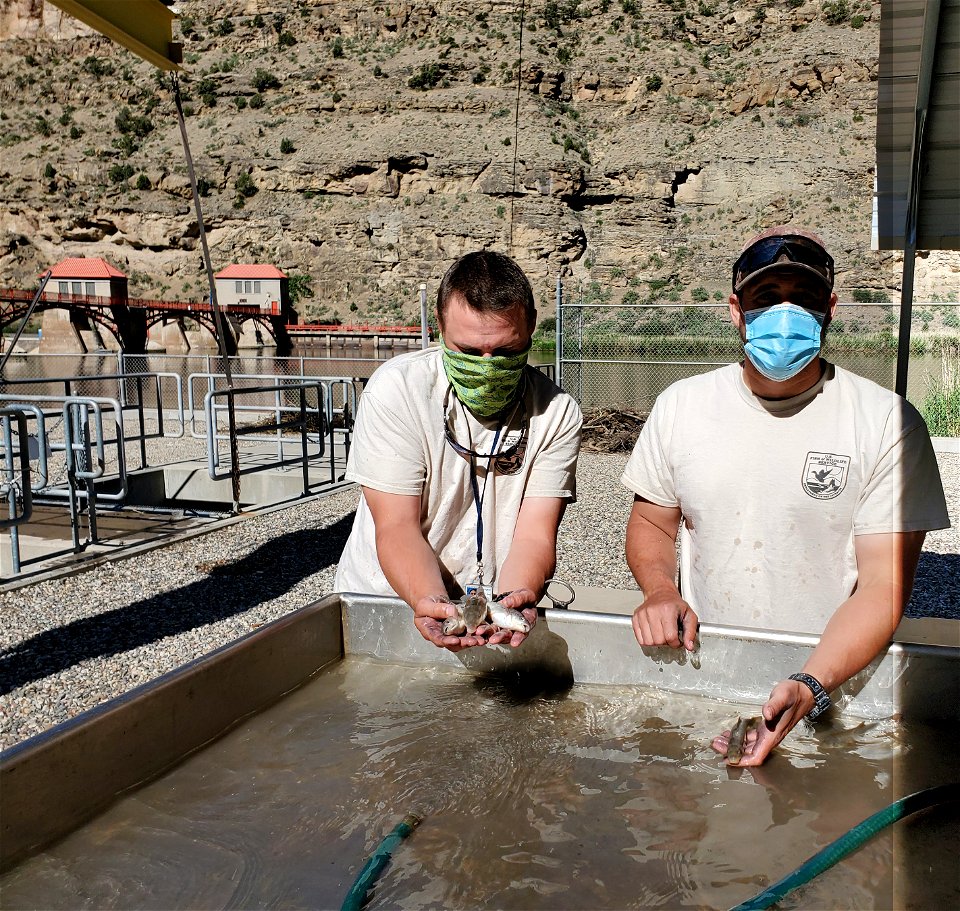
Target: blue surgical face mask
782,340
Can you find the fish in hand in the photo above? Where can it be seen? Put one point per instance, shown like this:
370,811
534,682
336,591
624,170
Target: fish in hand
474,610
738,737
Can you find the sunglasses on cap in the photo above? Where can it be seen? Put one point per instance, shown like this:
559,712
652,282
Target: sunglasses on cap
770,252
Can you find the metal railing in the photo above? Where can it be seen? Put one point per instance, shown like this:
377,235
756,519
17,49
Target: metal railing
272,424
14,477
75,435
154,401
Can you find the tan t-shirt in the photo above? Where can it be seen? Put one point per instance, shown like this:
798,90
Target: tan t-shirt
774,492
399,447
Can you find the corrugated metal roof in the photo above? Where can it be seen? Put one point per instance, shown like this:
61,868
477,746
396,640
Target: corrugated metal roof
239,270
918,124
82,267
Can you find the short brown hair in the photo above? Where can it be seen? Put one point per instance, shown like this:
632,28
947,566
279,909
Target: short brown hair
489,282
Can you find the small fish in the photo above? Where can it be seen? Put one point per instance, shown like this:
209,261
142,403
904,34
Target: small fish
471,612
475,610
738,737
508,618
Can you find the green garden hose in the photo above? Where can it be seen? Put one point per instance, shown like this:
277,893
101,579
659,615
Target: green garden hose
849,842
357,895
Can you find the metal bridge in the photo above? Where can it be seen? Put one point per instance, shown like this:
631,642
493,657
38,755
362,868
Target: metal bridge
129,319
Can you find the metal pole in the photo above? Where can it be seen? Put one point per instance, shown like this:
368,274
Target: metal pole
928,45
424,329
305,468
10,473
23,324
217,315
558,329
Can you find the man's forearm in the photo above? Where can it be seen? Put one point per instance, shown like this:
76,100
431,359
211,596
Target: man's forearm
409,564
857,632
528,565
863,625
652,557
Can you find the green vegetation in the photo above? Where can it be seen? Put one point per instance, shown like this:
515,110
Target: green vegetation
120,172
263,80
287,146
97,67
558,13
426,78
941,404
870,296
245,188
136,124
299,287
836,12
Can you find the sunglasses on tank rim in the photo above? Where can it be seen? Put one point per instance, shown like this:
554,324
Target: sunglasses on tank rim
798,249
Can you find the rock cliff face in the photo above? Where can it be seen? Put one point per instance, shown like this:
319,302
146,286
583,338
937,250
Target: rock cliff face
628,145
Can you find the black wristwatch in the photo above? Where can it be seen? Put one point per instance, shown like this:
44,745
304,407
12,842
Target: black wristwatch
821,698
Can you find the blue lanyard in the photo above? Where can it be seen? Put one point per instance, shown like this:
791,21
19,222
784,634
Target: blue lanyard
478,498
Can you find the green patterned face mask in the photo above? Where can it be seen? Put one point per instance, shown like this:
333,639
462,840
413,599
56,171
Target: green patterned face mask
485,385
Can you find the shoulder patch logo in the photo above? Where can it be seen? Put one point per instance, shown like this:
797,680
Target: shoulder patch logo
825,474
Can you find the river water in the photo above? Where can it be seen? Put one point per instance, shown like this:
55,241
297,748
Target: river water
625,385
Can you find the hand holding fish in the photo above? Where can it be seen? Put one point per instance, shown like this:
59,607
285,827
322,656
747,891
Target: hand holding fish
431,614
751,740
512,614
741,740
496,621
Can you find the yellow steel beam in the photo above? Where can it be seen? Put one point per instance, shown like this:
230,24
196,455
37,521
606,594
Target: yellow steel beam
142,26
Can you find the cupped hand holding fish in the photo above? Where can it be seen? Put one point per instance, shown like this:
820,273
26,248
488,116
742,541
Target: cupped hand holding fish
475,621
512,615
499,621
430,614
751,740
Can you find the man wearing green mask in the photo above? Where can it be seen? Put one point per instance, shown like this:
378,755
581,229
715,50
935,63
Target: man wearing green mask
466,457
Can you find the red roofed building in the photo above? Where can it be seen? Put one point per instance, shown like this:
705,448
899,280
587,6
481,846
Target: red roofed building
87,277
254,285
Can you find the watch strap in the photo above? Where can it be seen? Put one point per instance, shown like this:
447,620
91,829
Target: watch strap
821,698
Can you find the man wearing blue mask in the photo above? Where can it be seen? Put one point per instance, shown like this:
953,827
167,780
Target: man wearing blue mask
466,457
801,492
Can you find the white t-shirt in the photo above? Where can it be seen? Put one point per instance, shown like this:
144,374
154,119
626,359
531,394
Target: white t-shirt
773,492
399,447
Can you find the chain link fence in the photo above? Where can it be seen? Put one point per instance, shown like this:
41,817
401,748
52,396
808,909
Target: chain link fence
623,356
608,356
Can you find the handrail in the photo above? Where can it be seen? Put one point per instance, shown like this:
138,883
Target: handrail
8,479
8,482
356,328
12,295
300,423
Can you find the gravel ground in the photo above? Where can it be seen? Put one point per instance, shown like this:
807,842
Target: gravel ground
70,643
